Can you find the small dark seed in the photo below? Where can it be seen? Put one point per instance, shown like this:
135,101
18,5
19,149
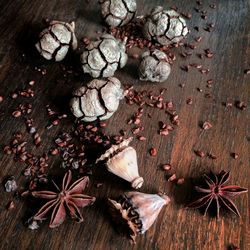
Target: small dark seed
199,153
189,101
142,138
166,167
235,155
10,205
17,113
153,152
180,181
247,71
14,95
54,151
240,105
206,125
172,177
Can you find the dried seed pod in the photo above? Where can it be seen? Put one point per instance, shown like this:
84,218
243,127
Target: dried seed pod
121,160
136,211
55,41
154,66
118,12
102,58
165,26
99,99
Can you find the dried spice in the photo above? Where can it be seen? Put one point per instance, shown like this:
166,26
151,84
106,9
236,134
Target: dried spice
214,191
121,160
69,198
247,71
199,153
234,155
98,100
166,167
165,26
10,205
154,66
55,41
103,57
172,178
206,125
135,212
10,185
153,152
118,12
240,105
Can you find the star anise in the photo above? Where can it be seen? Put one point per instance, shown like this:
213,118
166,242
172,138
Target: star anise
69,199
216,192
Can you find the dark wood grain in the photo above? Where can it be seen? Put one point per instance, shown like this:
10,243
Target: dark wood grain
176,228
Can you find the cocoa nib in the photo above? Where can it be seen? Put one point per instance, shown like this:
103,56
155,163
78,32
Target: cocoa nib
247,71
153,152
199,153
240,105
189,101
166,167
172,177
10,205
234,155
206,125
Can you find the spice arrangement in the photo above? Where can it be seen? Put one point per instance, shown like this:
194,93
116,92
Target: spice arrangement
99,99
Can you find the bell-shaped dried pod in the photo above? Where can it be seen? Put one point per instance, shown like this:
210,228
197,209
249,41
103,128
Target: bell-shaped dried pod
117,13
98,100
135,212
103,57
121,160
165,26
154,66
55,41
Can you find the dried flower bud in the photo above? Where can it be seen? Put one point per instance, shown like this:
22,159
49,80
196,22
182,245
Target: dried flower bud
118,12
154,66
103,57
165,26
55,41
98,100
121,160
136,211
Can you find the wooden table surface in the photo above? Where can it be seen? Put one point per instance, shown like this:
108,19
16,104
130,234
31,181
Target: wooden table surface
175,228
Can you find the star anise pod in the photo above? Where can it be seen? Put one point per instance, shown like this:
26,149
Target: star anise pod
69,199
216,191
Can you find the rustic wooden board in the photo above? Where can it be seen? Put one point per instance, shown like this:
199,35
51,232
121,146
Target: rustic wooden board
176,228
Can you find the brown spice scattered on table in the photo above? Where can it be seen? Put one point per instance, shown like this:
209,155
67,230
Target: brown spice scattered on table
199,153
206,125
153,152
166,167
